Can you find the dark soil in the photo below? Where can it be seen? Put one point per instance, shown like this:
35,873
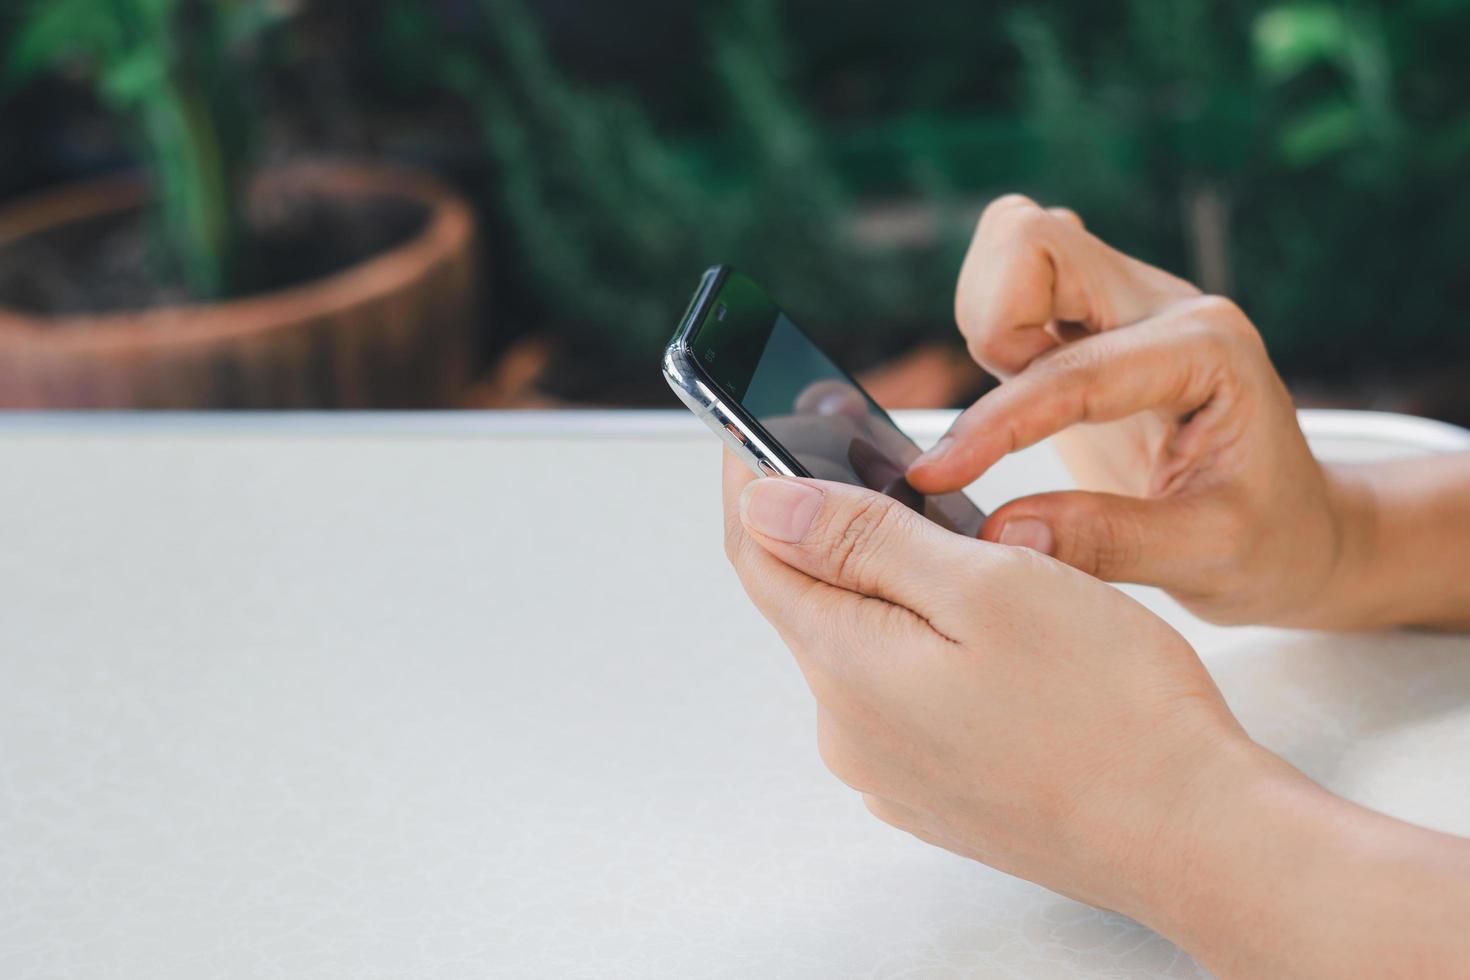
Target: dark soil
114,264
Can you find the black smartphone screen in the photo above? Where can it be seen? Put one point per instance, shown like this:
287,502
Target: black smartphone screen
811,408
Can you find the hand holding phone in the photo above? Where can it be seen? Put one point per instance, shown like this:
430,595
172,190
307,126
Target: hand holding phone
785,407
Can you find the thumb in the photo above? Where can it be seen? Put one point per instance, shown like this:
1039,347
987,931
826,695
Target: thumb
857,540
1116,538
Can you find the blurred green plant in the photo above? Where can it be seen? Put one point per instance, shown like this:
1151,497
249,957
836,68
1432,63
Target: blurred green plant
1290,41
1147,128
613,220
1363,244
1305,157
1297,155
176,74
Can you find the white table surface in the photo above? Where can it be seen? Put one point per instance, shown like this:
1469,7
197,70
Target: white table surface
474,696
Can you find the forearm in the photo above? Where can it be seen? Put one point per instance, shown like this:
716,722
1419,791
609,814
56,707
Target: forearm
1283,879
1405,545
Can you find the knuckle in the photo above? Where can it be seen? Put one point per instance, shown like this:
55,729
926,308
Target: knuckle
1027,224
969,303
1067,215
1220,310
854,534
1225,320
1015,220
986,347
1112,558
964,314
1117,545
988,570
1005,207
1006,568
989,577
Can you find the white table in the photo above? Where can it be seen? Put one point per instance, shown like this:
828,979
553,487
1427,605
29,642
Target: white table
468,696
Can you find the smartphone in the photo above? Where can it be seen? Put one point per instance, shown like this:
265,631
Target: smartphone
784,406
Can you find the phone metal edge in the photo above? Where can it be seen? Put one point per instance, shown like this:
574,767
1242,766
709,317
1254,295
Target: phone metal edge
683,377
748,443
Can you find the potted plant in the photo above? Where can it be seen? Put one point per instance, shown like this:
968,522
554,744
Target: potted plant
210,282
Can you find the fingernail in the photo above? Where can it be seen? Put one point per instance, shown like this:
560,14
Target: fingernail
780,509
933,455
1027,532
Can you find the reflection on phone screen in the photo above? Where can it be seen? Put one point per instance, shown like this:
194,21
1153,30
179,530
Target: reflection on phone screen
836,431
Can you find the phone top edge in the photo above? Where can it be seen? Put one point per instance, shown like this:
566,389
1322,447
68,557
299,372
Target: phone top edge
702,395
710,285
680,369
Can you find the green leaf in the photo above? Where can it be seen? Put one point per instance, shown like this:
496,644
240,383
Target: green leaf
53,31
1289,39
133,78
1320,132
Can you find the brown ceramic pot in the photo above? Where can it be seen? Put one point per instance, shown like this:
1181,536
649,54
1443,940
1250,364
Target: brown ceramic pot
394,331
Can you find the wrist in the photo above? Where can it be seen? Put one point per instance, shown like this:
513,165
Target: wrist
1218,889
1153,851
1404,535
1269,874
1346,596
1396,540
1196,826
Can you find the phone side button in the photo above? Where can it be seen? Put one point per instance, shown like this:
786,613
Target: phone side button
739,436
767,468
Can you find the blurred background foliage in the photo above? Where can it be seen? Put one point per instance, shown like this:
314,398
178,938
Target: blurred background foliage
178,80
1308,158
